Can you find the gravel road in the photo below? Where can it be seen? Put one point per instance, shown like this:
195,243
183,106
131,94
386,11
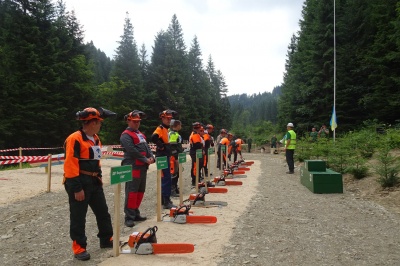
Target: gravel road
285,224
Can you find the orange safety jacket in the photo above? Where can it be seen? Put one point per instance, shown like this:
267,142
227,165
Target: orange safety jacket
225,141
80,153
239,143
196,142
161,139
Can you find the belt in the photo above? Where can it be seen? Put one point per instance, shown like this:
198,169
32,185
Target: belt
89,173
93,174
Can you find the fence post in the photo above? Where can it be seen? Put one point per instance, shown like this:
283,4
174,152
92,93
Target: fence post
49,173
20,154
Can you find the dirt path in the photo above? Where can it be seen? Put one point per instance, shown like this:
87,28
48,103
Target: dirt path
271,220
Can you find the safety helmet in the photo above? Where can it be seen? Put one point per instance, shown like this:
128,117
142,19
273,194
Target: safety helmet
94,113
290,125
168,113
88,114
196,125
135,115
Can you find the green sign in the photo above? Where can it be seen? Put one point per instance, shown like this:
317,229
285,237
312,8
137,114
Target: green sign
182,157
223,148
161,163
121,174
210,151
199,154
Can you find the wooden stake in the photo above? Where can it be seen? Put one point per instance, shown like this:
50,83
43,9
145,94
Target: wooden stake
159,195
49,173
117,200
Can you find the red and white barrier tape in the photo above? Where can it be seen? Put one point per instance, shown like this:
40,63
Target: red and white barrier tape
25,149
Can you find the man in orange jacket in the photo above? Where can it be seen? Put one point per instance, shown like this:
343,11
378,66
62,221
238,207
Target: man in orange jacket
196,143
161,139
208,143
83,181
225,141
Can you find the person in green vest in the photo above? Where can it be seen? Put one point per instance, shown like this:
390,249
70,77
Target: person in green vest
314,135
176,147
290,146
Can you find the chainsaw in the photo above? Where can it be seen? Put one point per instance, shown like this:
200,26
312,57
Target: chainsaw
146,243
182,215
198,200
210,188
221,181
242,162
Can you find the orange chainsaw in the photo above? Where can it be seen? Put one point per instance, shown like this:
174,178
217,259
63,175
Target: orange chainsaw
182,215
233,172
211,188
242,162
198,200
221,181
146,243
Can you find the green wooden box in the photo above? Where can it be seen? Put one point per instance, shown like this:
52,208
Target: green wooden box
321,182
315,165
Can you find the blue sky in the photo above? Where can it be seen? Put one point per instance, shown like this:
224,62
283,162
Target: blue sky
247,39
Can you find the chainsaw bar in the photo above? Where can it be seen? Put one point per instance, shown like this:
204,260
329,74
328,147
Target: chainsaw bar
172,248
214,190
229,182
210,203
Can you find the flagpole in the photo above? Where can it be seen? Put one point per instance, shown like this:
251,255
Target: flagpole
334,64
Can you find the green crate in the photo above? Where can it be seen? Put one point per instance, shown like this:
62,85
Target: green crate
315,165
321,182
305,178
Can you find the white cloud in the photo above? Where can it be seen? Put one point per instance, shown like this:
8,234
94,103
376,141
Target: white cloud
247,39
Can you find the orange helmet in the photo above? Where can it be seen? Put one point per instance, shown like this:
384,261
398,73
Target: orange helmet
135,115
88,114
168,113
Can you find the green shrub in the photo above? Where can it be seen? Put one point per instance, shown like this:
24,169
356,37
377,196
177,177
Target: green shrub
358,172
388,168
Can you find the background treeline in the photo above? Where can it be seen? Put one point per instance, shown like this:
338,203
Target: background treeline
47,74
368,72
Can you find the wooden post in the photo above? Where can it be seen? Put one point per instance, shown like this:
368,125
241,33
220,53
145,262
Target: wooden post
49,173
197,174
159,195
20,154
117,202
180,185
215,159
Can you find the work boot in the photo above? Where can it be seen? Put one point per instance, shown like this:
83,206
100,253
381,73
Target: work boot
138,217
173,192
106,243
82,256
129,223
167,203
